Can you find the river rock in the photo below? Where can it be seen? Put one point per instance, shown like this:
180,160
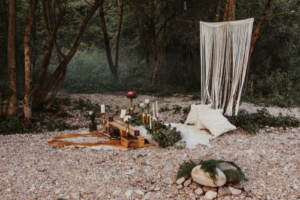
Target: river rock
187,183
235,191
198,191
180,181
223,191
210,195
203,178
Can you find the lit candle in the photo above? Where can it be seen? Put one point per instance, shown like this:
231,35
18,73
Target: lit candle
102,108
147,101
153,111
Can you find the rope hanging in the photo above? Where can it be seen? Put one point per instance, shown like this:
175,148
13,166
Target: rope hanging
224,52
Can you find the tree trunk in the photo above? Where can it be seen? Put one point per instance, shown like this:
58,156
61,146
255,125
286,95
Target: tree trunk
118,35
11,59
229,13
218,10
42,93
259,26
256,35
112,67
1,106
27,60
51,34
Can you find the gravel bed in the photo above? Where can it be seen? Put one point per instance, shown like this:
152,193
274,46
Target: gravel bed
31,169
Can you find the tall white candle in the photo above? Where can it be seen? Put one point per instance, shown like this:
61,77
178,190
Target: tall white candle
153,110
123,113
150,122
102,108
156,108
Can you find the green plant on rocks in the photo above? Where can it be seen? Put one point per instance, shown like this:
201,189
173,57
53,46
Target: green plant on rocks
233,173
185,169
262,118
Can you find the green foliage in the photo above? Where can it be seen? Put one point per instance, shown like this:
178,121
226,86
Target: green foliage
164,135
85,105
39,123
232,176
185,169
13,125
176,109
164,109
59,125
136,119
254,121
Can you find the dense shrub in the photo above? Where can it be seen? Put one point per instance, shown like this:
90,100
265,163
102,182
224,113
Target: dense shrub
164,135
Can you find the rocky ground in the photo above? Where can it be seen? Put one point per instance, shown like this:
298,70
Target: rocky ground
31,169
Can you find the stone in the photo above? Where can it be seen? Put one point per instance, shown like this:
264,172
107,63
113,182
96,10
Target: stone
138,194
198,191
128,193
235,191
203,178
148,195
180,181
223,191
187,183
210,195
206,189
179,187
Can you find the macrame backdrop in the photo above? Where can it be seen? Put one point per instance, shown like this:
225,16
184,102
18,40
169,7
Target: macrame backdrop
224,53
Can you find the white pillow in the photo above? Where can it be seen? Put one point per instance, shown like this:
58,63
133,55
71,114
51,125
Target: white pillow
192,118
215,122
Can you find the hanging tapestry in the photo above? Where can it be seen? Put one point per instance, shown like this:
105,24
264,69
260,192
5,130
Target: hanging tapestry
224,53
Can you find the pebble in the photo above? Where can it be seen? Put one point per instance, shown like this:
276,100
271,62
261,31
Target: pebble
210,195
234,191
187,183
223,191
180,181
179,187
128,193
198,191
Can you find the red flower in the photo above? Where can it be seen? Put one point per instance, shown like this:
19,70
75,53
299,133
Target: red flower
131,94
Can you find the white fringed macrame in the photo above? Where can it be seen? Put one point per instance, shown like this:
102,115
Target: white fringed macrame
224,53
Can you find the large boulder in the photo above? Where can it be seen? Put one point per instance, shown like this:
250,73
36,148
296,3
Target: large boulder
204,178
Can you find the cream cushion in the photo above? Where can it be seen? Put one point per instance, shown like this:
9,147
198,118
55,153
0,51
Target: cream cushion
215,122
193,116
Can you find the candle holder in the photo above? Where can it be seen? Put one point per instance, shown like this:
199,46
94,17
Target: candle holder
127,129
131,95
131,109
143,117
103,121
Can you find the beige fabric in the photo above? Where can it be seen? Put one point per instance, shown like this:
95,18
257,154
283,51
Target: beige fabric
215,122
224,52
192,118
203,117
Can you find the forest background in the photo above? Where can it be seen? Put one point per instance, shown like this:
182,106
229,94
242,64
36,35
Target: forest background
85,46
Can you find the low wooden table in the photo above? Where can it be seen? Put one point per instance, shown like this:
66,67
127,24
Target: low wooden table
128,139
